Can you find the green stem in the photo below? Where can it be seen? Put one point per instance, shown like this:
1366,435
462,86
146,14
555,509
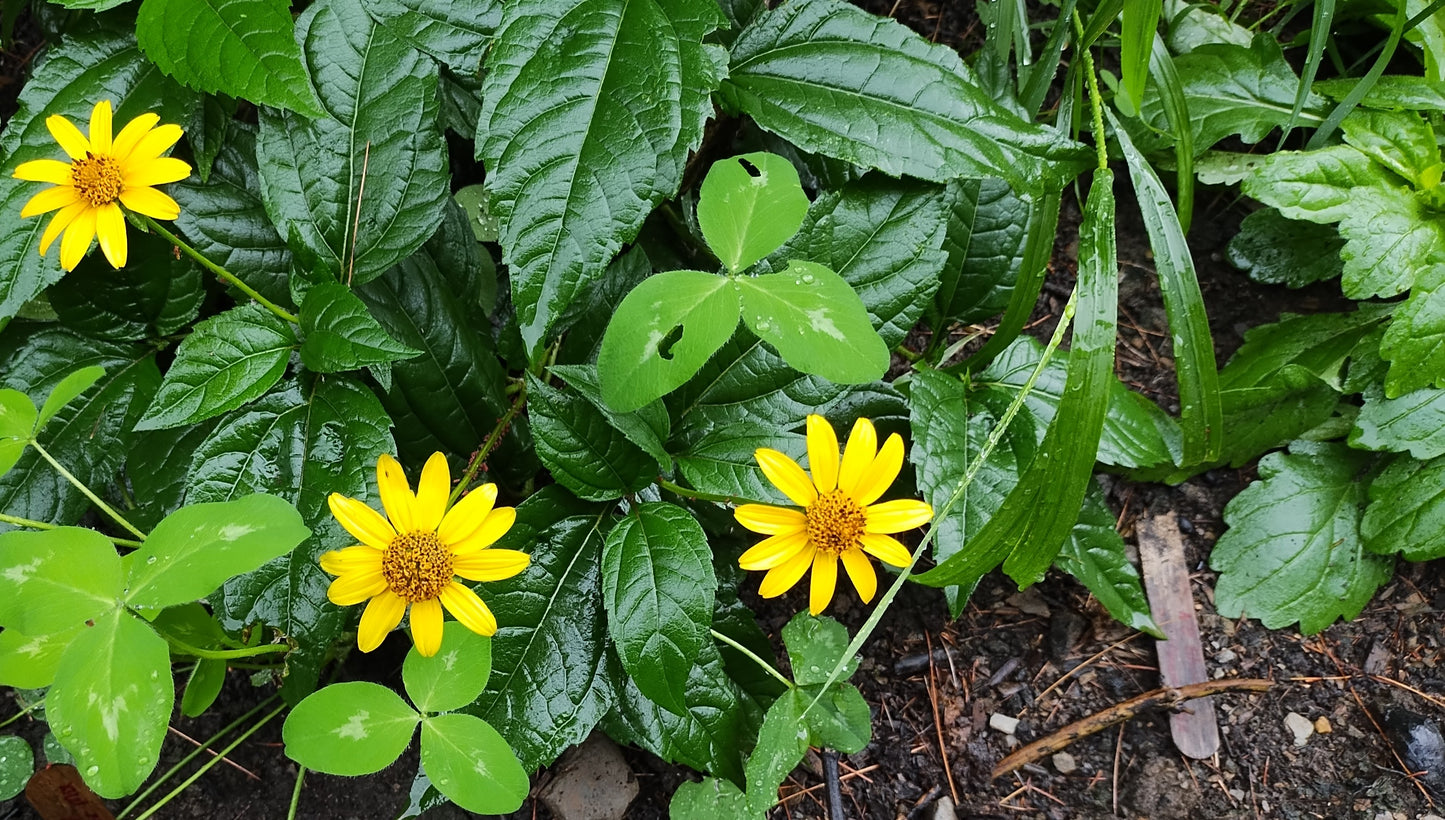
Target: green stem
226,275
688,492
192,756
42,525
94,499
212,762
23,712
225,654
767,667
296,793
907,354
488,445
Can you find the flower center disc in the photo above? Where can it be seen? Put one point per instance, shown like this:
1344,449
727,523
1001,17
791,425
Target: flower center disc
97,179
417,565
834,522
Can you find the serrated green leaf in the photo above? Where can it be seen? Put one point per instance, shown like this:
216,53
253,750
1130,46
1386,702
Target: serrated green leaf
581,450
722,462
1399,140
658,586
987,226
648,427
57,579
28,662
17,765
350,728
1279,251
748,206
815,645
782,742
454,32
589,110
1414,423
1292,551
1260,417
341,334
17,424
380,99
1097,556
816,322
550,683
1414,343
1319,343
111,702
840,719
472,764
155,294
156,463
454,676
712,799
203,686
240,48
664,331
1390,92
226,361
1406,513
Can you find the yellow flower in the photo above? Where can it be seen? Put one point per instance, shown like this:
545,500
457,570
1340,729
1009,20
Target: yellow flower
839,520
412,558
103,174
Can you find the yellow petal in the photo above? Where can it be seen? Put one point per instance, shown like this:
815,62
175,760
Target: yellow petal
860,570
886,548
822,453
110,230
60,222
431,493
770,520
469,609
44,170
467,515
150,202
780,579
100,131
152,144
126,140
155,172
490,565
426,626
379,619
355,587
71,140
361,521
361,559
495,526
77,239
857,456
787,476
896,516
396,495
825,580
879,475
49,200
773,552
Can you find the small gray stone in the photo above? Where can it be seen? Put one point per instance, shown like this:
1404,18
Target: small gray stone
1299,726
1224,656
1004,723
944,809
590,782
1064,762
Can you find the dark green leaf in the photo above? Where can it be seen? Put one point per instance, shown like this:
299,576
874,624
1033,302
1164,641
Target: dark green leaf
1320,344
57,579
1096,555
1389,92
782,742
815,645
472,765
1414,422
202,687
350,729
455,33
722,461
840,719
712,799
17,765
1407,510
155,294
340,333
749,206
647,427
156,463
1140,20
816,321
1279,251
582,451
454,676
1261,417
987,229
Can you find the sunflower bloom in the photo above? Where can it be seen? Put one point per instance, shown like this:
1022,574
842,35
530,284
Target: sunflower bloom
413,554
103,174
839,520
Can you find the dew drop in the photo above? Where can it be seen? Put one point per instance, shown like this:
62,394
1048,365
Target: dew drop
151,560
807,278
92,770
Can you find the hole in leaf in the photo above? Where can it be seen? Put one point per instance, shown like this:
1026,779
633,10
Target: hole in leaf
664,347
750,168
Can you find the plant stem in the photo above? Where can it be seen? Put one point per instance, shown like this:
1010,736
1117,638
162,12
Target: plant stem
212,762
94,499
42,525
767,667
1096,100
688,492
225,654
487,446
296,793
22,713
230,278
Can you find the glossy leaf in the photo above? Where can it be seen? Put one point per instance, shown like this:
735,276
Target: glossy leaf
454,676
1414,343
57,579
17,765
472,764
815,321
1319,343
1261,417
1140,20
341,334
749,206
782,742
1279,251
1097,556
723,462
1176,112
647,427
840,719
712,799
815,645
987,227
455,33
1414,423
1406,513
1292,551
583,452
17,424
111,702
154,295
203,686
1401,141
28,662
350,728
156,463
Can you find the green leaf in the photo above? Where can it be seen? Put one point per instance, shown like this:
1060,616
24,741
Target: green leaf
815,645
1279,251
840,719
1406,513
749,206
658,587
1292,551
240,48
380,99
351,729
227,361
925,113
1399,140
111,702
154,295
1259,418
589,110
472,764
581,450
712,799
782,742
1390,92
1414,343
454,676
550,684
340,333
156,464
1097,556
664,331
1414,422
473,200
198,547
1319,343
1140,21
17,424
647,427
203,686
987,229
17,765
722,461
57,579
455,33
191,623
30,662
815,321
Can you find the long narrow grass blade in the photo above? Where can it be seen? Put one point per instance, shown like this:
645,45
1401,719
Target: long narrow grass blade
1320,25
1141,21
1176,111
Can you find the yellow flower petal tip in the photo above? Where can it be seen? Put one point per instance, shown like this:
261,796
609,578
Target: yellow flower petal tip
105,171
839,521
411,557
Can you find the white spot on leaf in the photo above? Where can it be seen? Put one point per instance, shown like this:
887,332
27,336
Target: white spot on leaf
231,532
20,573
355,728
